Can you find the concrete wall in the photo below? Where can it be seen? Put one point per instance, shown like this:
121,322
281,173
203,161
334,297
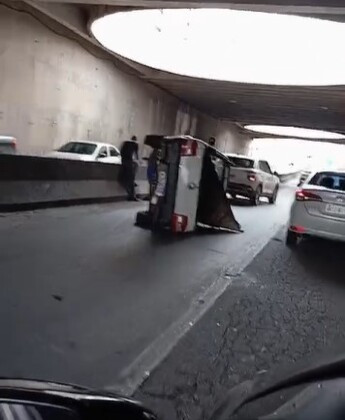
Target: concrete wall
228,138
53,90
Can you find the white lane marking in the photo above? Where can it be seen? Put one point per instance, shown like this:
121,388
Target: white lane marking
140,369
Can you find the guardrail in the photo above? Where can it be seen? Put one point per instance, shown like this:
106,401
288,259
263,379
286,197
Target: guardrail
287,177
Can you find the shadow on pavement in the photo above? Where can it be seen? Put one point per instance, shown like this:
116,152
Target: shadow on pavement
244,202
168,238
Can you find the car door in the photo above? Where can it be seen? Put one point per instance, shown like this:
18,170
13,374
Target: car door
269,177
264,177
114,155
102,155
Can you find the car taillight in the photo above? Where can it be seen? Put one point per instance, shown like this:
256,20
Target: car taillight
251,177
297,229
179,223
303,195
189,148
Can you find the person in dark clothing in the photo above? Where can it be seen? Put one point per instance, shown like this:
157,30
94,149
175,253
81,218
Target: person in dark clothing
212,141
129,155
152,170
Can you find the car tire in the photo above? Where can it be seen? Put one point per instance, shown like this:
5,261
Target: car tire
291,238
255,200
273,197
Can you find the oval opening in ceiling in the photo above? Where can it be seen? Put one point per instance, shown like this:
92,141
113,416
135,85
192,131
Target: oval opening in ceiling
302,133
229,45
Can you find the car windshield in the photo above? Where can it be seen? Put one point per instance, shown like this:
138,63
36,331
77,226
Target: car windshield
331,180
241,162
78,147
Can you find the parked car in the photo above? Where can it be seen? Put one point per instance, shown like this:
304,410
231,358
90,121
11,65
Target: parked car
88,151
8,145
319,208
252,178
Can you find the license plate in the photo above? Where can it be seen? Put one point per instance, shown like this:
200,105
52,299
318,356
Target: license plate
334,209
161,184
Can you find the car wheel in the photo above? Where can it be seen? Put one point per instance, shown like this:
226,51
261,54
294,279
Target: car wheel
291,238
273,197
256,198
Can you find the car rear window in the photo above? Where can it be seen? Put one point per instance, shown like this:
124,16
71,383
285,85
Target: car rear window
78,147
7,145
241,162
331,180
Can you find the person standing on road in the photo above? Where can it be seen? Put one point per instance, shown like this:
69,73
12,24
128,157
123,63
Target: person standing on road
129,155
152,170
212,141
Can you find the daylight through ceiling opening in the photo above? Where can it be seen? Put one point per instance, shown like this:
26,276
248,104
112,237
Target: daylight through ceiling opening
229,45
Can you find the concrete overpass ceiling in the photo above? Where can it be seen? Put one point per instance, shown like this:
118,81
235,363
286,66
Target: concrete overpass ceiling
323,9
303,6
320,107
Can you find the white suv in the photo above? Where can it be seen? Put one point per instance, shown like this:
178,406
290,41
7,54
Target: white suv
252,178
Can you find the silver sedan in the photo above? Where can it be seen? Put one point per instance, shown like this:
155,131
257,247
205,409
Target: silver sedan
319,208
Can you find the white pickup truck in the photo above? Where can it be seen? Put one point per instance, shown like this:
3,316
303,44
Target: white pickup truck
252,178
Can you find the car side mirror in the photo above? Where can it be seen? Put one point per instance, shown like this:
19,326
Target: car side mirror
102,155
275,173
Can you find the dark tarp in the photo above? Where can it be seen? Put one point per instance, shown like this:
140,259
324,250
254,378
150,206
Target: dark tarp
214,207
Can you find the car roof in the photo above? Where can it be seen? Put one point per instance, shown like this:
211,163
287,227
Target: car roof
7,138
92,142
329,171
324,171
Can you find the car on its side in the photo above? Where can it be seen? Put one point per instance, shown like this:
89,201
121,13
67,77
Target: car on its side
252,178
8,145
319,208
88,151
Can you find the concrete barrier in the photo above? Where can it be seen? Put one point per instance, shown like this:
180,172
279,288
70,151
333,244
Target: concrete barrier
287,177
28,182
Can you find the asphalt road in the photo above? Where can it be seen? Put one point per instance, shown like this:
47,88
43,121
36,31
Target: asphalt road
85,292
285,308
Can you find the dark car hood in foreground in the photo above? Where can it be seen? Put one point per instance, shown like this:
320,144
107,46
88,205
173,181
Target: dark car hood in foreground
270,389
